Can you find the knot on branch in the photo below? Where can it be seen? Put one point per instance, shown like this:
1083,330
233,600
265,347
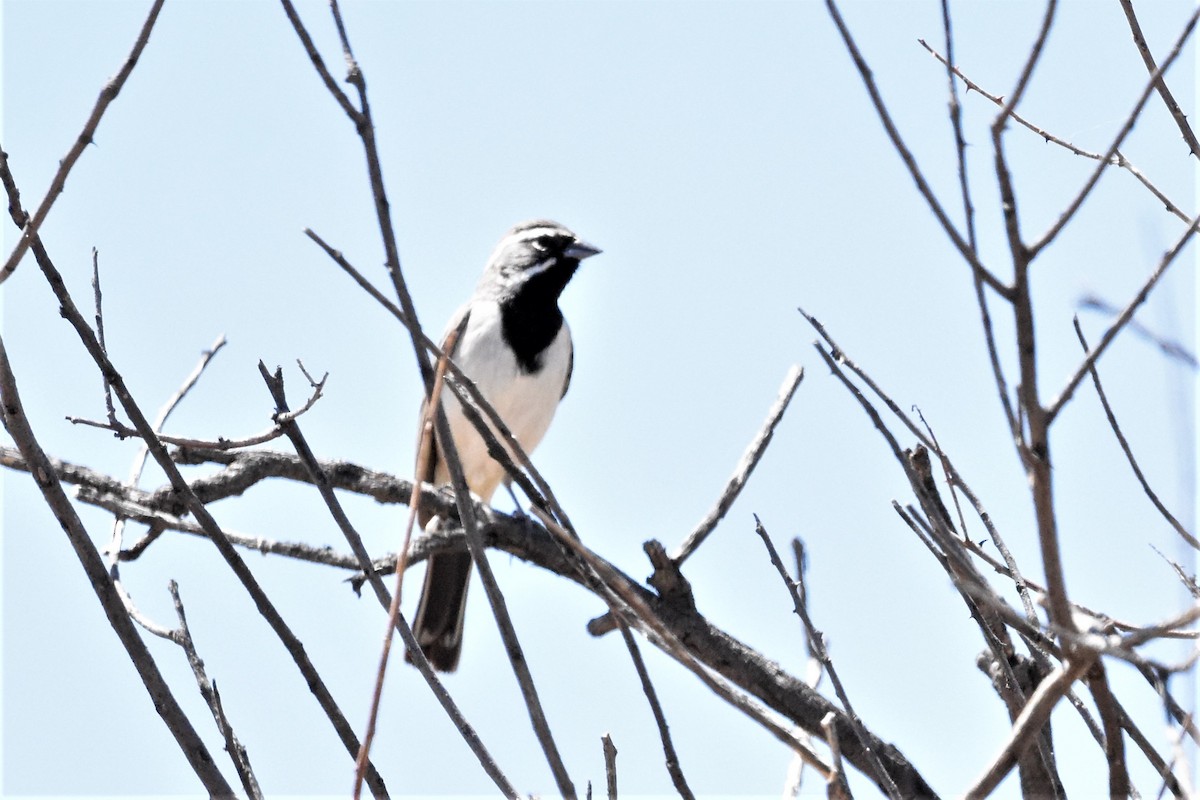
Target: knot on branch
666,579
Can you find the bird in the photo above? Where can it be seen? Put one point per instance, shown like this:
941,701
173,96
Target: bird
517,350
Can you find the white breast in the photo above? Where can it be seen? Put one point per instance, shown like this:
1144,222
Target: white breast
525,402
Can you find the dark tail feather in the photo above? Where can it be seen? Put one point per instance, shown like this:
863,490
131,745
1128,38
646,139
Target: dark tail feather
438,624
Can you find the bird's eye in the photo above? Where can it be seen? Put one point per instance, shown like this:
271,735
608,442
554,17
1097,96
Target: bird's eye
541,244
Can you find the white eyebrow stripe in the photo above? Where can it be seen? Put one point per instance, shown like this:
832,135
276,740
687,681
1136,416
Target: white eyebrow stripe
534,233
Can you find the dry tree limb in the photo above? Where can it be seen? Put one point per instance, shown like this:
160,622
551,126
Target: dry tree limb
836,787
364,125
610,765
362,560
1114,741
978,280
30,224
523,538
108,401
17,424
674,598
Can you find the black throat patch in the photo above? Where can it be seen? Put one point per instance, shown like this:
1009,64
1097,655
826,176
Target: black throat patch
530,318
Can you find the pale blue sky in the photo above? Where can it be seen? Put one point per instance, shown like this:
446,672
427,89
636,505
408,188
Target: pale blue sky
726,158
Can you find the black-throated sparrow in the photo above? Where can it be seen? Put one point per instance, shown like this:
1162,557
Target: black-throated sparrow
517,349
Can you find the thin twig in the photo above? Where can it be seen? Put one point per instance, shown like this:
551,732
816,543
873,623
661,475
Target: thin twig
1122,319
365,127
1114,740
1155,78
1164,92
208,689
664,732
741,473
139,460
108,401
1118,159
910,162
1125,448
112,88
395,619
816,641
512,647
670,644
200,513
836,787
274,432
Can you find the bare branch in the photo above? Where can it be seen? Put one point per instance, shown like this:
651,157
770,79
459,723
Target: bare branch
512,647
1137,470
365,127
274,432
1122,319
17,425
30,225
1155,78
1029,724
664,733
816,641
610,765
741,473
158,451
108,401
241,761
1160,85
1118,159
864,70
836,787
1114,741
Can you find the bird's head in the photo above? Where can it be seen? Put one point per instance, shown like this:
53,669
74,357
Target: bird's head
532,250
